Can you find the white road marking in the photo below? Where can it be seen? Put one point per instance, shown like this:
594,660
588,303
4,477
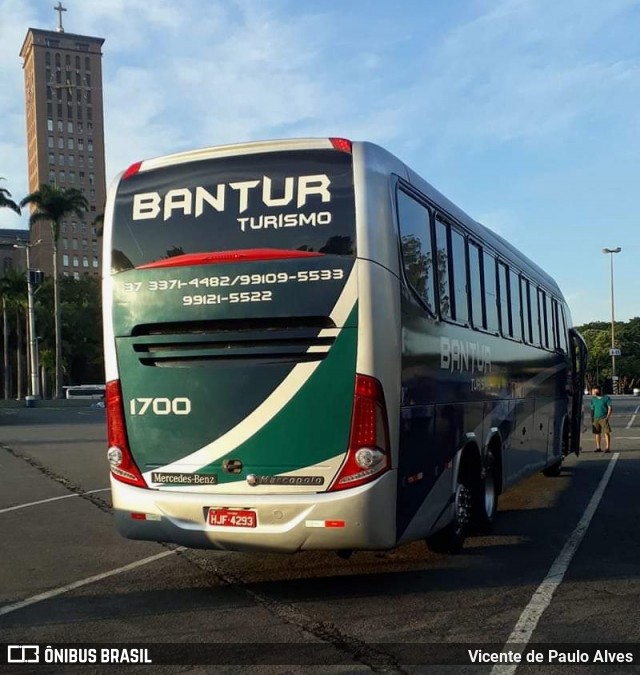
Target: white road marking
51,499
84,582
633,417
521,634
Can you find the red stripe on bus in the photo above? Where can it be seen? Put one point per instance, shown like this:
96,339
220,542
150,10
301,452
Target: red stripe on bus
228,257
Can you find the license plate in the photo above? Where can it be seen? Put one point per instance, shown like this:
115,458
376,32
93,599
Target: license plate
232,518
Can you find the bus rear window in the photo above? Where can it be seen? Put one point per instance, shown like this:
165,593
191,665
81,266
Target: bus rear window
295,201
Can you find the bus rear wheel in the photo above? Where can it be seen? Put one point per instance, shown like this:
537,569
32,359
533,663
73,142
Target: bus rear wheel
486,497
553,470
451,538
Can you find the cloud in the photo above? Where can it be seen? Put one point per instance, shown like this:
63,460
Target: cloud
232,76
523,71
503,222
13,159
521,111
242,71
515,71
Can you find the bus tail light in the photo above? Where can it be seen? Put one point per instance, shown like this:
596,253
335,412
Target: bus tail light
342,144
132,170
119,455
368,454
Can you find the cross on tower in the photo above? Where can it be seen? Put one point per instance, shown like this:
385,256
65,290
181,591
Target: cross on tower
60,9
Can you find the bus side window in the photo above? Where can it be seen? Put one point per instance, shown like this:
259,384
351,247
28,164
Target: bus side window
417,254
535,316
490,293
544,319
562,329
475,279
504,299
444,288
516,314
459,262
551,329
526,310
556,322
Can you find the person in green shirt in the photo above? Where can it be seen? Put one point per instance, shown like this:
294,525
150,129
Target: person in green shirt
601,410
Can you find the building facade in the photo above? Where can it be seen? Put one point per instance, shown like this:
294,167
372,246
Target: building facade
65,141
12,250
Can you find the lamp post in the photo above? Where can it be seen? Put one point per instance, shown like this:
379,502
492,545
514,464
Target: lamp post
614,382
33,345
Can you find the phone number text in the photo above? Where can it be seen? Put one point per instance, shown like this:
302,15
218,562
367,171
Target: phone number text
223,281
231,298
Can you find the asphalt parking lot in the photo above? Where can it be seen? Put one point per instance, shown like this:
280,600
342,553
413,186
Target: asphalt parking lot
69,578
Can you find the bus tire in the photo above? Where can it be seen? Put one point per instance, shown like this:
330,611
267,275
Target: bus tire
450,539
554,470
486,497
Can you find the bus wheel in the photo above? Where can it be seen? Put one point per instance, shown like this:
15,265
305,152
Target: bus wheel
486,497
553,470
451,538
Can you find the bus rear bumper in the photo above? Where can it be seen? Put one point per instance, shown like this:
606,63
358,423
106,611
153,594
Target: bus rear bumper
357,518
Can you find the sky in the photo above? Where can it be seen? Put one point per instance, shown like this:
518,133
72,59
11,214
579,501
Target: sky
525,113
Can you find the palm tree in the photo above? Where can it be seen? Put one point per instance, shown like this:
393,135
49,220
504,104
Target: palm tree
5,200
13,288
53,204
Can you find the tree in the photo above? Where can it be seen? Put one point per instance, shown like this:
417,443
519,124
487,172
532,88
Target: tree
597,335
419,268
628,340
53,204
82,323
45,321
13,289
6,201
443,281
82,353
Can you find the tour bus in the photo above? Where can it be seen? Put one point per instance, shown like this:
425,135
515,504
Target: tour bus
308,347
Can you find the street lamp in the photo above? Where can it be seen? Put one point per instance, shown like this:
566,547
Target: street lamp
614,381
33,345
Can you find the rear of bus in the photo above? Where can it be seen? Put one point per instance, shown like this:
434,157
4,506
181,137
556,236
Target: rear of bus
237,417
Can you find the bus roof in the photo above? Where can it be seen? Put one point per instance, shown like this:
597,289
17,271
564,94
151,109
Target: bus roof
235,149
